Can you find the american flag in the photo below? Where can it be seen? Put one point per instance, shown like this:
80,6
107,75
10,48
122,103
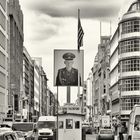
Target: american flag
80,32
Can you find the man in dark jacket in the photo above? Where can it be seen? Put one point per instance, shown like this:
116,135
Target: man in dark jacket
123,130
67,76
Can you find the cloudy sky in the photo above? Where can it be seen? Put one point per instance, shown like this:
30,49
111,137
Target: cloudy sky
52,24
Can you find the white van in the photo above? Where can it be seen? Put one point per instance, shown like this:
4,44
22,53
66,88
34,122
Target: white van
46,126
134,124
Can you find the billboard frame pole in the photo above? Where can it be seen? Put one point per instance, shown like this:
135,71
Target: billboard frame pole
78,79
68,95
57,115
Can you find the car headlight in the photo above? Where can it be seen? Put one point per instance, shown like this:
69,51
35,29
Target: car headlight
51,134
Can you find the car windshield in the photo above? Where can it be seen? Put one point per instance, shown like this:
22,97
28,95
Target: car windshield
48,124
106,132
22,127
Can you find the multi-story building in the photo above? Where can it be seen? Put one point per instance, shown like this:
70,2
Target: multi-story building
37,85
84,98
28,86
125,63
56,104
36,91
34,96
52,103
96,94
44,95
15,55
4,39
89,97
101,81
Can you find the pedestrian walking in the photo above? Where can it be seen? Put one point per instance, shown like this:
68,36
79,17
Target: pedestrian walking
123,130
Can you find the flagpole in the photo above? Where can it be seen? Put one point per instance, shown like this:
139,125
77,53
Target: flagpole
80,34
78,29
78,60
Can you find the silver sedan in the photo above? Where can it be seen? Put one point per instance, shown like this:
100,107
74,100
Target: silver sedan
105,134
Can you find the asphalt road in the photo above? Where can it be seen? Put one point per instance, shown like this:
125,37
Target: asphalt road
91,137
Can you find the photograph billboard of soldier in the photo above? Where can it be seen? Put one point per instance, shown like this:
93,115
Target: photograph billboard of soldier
68,64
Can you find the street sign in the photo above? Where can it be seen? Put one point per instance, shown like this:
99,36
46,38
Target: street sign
105,121
70,109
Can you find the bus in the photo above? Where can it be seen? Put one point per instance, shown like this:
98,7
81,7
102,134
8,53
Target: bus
134,124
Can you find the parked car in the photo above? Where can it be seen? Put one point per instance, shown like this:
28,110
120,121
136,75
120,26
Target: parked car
27,128
105,134
8,135
4,125
5,128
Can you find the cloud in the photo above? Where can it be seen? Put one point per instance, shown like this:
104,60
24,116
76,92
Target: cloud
41,27
68,8
52,24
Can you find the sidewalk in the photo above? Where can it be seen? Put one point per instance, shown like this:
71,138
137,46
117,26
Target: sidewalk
124,135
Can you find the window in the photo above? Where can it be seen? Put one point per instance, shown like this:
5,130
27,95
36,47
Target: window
130,65
131,26
3,4
137,123
2,79
130,84
84,97
104,89
104,74
69,124
131,45
2,60
2,20
2,40
77,124
106,131
85,110
128,103
61,125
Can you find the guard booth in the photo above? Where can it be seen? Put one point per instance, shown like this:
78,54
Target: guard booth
70,124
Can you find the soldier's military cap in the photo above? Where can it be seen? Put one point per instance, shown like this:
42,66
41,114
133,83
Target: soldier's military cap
69,56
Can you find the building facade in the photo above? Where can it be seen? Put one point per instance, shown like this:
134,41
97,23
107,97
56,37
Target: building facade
101,81
84,98
89,97
36,91
4,42
15,55
125,63
44,95
28,86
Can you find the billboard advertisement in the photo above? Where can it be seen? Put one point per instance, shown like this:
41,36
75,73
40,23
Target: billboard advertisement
68,67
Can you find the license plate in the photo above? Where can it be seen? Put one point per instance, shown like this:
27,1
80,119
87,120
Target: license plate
44,138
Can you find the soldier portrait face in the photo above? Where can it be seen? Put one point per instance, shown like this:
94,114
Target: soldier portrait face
69,64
